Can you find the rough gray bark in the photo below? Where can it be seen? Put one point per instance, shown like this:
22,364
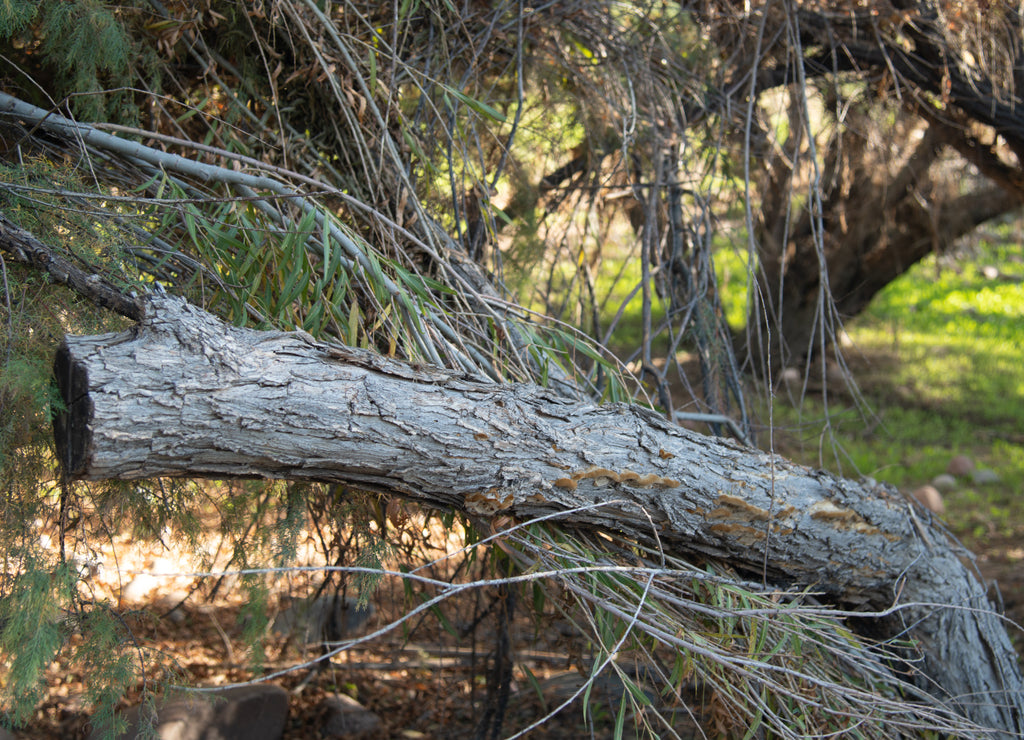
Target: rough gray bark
25,248
182,394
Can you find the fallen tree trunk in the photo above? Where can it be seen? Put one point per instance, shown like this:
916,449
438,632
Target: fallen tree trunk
183,394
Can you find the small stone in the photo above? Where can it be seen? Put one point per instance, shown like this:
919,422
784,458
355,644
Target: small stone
960,465
930,498
176,616
837,375
792,376
251,713
347,718
944,482
324,619
255,712
984,476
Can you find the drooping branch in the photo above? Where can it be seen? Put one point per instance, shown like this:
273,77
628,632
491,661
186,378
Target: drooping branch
268,192
25,248
183,394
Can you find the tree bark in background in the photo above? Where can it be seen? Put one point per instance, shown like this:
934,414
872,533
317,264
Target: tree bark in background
875,223
183,394
868,213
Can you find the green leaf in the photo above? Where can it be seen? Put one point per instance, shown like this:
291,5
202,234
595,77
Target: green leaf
419,284
407,7
413,144
539,598
191,215
636,692
620,720
295,281
372,82
313,323
534,684
353,325
479,106
500,214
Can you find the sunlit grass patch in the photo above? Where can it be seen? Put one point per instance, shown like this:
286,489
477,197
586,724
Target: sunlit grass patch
617,287
939,357
957,369
732,267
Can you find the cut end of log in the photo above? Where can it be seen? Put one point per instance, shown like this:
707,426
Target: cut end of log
71,426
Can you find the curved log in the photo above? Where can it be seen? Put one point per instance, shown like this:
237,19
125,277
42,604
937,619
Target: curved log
183,394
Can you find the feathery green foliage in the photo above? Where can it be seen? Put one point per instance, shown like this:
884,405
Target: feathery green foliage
31,629
86,49
17,15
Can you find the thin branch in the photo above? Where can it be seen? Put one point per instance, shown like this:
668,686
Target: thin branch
25,248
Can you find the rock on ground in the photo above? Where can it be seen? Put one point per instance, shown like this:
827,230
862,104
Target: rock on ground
324,619
930,498
984,476
960,465
254,712
347,718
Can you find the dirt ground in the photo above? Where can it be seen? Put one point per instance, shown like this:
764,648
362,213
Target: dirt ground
422,683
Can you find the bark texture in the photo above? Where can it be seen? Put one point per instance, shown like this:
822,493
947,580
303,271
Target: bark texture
875,225
183,394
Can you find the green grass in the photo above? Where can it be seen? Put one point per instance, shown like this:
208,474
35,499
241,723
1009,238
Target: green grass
939,357
613,284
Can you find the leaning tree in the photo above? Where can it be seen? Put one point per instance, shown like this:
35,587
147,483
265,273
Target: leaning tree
427,194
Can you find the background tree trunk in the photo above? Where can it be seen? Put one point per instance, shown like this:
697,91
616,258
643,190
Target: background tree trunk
876,223
183,394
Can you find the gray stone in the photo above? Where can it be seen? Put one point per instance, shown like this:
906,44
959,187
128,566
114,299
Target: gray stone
5,735
255,712
944,482
323,619
345,717
984,476
176,616
792,376
836,375
606,688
